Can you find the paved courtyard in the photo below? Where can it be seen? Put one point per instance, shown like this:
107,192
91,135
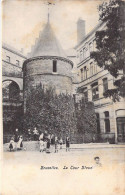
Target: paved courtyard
22,173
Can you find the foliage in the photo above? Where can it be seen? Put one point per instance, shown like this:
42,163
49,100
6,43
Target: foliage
58,114
110,43
46,110
86,119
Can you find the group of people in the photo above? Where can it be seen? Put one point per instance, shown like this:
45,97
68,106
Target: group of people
46,140
16,142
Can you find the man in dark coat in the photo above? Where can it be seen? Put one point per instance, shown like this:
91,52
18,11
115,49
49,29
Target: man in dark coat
67,144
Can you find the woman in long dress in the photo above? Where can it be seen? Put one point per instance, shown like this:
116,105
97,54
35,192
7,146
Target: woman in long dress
41,145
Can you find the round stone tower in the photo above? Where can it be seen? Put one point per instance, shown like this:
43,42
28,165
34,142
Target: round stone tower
47,64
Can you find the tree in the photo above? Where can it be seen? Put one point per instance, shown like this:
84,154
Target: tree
110,44
86,120
46,110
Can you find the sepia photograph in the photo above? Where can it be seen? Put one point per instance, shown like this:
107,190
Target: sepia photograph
63,97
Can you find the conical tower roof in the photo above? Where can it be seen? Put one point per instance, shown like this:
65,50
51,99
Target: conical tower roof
47,44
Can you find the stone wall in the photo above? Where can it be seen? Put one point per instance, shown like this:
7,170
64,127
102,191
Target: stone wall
40,71
62,84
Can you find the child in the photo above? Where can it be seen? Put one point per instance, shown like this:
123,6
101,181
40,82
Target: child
61,142
41,145
20,143
41,136
97,162
12,144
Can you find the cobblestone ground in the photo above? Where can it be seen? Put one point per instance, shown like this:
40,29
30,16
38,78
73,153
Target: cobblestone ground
22,173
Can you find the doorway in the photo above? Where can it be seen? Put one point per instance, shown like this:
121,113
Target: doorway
121,129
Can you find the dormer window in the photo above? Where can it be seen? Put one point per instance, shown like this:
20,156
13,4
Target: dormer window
54,66
8,58
17,62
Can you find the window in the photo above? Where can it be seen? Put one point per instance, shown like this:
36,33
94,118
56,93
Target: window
80,55
94,45
98,122
107,122
121,129
85,92
105,84
85,52
17,62
90,47
85,73
95,91
54,66
7,58
95,67
81,71
91,68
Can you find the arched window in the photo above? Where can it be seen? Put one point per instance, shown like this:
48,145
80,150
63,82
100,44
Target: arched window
11,91
107,122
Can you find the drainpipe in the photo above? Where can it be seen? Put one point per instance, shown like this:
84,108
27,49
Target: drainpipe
116,133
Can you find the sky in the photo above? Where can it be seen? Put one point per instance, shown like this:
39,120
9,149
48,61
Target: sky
22,20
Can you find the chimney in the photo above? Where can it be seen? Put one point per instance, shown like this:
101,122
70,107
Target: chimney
80,30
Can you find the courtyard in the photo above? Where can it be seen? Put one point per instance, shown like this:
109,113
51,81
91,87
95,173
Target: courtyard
31,172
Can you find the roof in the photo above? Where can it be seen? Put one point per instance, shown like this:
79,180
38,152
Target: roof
13,50
47,44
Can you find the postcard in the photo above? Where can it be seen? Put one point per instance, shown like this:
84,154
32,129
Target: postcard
63,97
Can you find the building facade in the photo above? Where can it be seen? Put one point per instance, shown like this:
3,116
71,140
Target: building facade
12,81
93,81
